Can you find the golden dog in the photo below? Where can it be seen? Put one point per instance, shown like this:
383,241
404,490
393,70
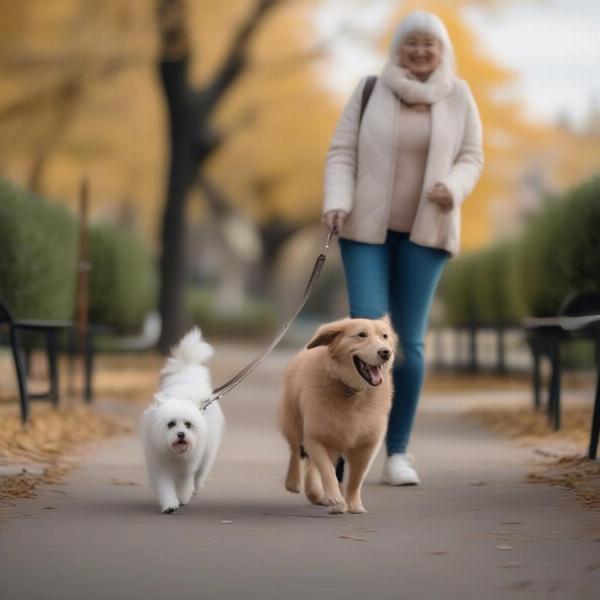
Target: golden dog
337,397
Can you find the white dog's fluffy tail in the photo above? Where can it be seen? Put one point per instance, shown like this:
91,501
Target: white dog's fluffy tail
191,350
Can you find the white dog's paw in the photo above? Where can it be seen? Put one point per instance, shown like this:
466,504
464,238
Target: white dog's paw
168,509
338,509
185,497
198,487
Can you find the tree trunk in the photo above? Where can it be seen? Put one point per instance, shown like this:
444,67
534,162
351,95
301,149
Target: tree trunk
192,140
181,174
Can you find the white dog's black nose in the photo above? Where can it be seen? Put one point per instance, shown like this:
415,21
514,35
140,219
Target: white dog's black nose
180,435
384,353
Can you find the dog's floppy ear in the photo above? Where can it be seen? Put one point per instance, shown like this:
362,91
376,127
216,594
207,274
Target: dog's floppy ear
326,334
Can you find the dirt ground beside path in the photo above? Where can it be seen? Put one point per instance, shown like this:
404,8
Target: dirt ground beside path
560,455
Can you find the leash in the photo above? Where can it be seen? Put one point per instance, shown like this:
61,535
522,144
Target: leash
224,389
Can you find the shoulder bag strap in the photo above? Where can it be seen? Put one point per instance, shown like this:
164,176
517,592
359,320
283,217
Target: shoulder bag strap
367,91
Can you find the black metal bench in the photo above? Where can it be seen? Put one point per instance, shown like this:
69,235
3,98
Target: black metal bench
50,330
578,318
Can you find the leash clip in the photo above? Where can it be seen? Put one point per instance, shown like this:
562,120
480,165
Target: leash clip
211,400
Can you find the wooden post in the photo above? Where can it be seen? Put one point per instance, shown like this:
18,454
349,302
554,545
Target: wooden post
83,275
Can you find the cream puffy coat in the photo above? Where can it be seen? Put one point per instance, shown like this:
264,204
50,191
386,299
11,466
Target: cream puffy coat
359,171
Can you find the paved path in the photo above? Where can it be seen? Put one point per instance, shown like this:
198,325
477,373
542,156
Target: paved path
474,529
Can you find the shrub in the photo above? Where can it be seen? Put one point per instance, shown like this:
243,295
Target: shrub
494,294
557,253
581,222
38,253
123,280
542,271
457,289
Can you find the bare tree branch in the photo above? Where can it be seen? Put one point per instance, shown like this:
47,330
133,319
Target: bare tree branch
236,58
47,93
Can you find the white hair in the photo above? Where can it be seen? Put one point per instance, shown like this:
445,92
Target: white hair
427,23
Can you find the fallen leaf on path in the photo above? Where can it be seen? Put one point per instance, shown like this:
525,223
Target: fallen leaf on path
227,522
114,481
546,453
505,547
354,538
478,483
51,434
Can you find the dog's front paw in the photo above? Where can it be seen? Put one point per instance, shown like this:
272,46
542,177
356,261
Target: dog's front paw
356,508
167,510
338,509
315,498
292,486
185,496
333,500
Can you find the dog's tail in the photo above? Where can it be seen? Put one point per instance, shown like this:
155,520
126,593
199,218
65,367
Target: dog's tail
191,350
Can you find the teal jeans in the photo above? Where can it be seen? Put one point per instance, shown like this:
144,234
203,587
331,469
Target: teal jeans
397,277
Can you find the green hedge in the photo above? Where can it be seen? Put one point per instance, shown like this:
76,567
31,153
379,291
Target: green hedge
123,281
557,253
38,255
541,270
38,264
581,222
492,300
457,290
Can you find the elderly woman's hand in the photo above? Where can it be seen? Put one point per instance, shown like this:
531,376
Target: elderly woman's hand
334,219
440,194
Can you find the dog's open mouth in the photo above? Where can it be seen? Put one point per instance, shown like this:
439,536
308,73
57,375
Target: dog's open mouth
180,446
371,374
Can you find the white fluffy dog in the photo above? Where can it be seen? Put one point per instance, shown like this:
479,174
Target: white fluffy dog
180,439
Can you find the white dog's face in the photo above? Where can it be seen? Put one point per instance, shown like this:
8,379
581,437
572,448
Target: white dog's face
176,426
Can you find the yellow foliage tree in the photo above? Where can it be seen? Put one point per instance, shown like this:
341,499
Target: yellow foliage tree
79,98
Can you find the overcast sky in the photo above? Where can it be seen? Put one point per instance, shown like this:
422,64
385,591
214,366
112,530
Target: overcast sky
552,45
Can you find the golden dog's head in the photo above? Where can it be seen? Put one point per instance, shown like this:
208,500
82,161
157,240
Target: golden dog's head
362,350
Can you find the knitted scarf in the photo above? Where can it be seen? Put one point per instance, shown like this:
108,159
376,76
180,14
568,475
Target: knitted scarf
413,91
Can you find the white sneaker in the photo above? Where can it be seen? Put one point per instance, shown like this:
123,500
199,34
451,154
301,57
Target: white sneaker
398,470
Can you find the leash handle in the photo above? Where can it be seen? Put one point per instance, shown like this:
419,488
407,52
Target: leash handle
220,391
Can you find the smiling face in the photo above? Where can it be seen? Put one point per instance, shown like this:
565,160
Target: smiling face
178,426
420,53
363,350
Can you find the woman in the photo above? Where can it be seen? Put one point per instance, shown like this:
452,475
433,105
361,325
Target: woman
395,179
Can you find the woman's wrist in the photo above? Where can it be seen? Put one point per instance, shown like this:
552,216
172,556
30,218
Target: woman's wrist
334,219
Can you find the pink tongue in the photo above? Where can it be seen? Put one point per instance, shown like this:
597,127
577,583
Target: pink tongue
375,375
